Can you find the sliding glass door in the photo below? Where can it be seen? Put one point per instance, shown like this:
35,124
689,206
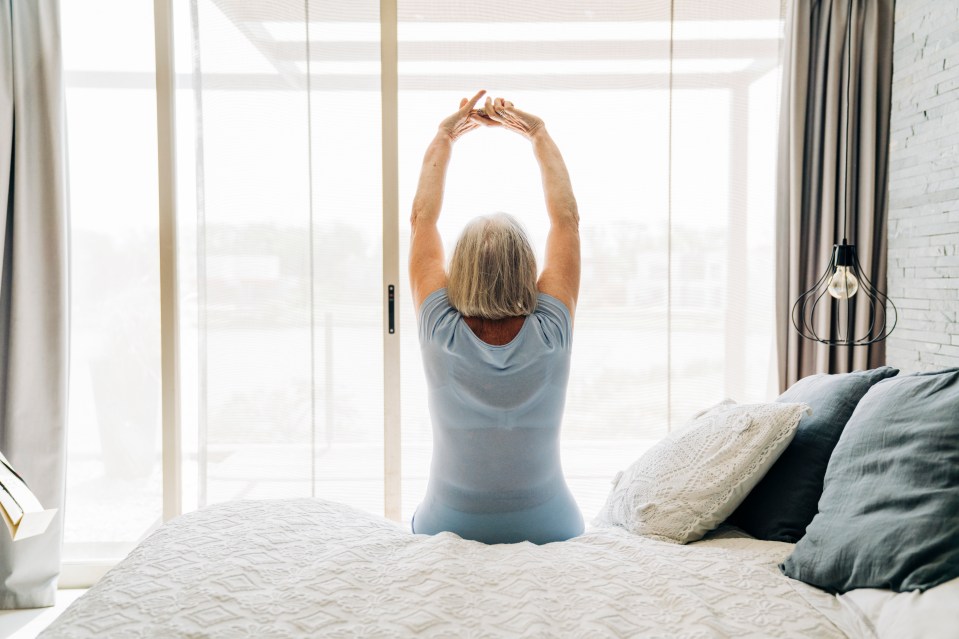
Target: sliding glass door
290,383
282,305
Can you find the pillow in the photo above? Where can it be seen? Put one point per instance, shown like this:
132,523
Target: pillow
691,481
889,512
781,505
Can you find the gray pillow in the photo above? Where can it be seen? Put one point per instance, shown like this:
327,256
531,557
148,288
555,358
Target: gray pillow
889,512
781,506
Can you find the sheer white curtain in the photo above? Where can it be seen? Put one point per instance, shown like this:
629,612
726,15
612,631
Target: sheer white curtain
666,113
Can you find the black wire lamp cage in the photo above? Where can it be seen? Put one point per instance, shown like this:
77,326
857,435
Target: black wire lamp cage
842,286
828,312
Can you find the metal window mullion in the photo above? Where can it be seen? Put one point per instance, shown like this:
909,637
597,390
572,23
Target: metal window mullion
669,223
389,87
737,250
169,334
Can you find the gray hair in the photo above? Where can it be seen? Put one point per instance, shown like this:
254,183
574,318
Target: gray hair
492,272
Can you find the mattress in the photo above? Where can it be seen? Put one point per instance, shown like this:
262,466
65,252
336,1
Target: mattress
310,568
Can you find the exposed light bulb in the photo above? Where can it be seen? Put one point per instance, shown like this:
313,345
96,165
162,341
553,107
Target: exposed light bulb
843,284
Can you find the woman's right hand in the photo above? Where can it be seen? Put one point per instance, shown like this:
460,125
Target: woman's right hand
503,112
465,119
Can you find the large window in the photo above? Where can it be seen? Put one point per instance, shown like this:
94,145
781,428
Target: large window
665,113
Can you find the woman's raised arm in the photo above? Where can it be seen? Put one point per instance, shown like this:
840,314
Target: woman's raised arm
561,272
427,273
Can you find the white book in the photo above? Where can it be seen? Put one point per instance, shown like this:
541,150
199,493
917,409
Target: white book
20,508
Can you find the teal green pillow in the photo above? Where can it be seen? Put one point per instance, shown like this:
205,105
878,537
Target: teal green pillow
889,512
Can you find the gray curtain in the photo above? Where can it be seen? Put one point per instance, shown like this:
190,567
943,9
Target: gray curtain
811,173
33,287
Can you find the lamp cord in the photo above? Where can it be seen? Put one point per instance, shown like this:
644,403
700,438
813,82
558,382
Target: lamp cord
845,159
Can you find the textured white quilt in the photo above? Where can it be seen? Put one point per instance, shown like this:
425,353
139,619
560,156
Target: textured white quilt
314,568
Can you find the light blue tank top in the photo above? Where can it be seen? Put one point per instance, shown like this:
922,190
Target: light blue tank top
496,475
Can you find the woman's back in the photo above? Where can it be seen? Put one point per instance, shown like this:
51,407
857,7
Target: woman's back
496,410
496,405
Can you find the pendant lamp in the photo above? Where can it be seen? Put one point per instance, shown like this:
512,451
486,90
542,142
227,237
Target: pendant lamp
827,312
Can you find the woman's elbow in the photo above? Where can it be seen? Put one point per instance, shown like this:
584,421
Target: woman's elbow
422,215
416,216
566,212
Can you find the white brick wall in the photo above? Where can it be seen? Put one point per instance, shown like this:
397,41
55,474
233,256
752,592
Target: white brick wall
923,276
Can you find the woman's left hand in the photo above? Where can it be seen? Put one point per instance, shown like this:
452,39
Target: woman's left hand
463,120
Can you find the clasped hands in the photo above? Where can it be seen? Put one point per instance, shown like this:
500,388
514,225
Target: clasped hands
498,112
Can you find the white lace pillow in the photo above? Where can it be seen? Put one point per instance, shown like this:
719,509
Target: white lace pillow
691,481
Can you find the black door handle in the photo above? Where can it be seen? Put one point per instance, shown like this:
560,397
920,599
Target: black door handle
391,303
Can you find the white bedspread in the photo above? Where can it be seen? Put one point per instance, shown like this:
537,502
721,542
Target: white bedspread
314,568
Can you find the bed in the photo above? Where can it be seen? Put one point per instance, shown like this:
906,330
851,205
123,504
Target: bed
316,568
846,484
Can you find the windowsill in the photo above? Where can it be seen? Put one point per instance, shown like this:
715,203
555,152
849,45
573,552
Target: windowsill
83,574
28,623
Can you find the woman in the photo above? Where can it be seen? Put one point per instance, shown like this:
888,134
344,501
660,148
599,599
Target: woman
496,344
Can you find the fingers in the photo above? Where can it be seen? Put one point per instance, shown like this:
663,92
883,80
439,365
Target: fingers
479,117
475,99
508,107
491,111
505,109
498,112
502,105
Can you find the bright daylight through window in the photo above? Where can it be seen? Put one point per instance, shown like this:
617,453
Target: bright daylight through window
666,113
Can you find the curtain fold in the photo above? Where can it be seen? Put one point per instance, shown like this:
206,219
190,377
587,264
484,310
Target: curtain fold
811,174
33,286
